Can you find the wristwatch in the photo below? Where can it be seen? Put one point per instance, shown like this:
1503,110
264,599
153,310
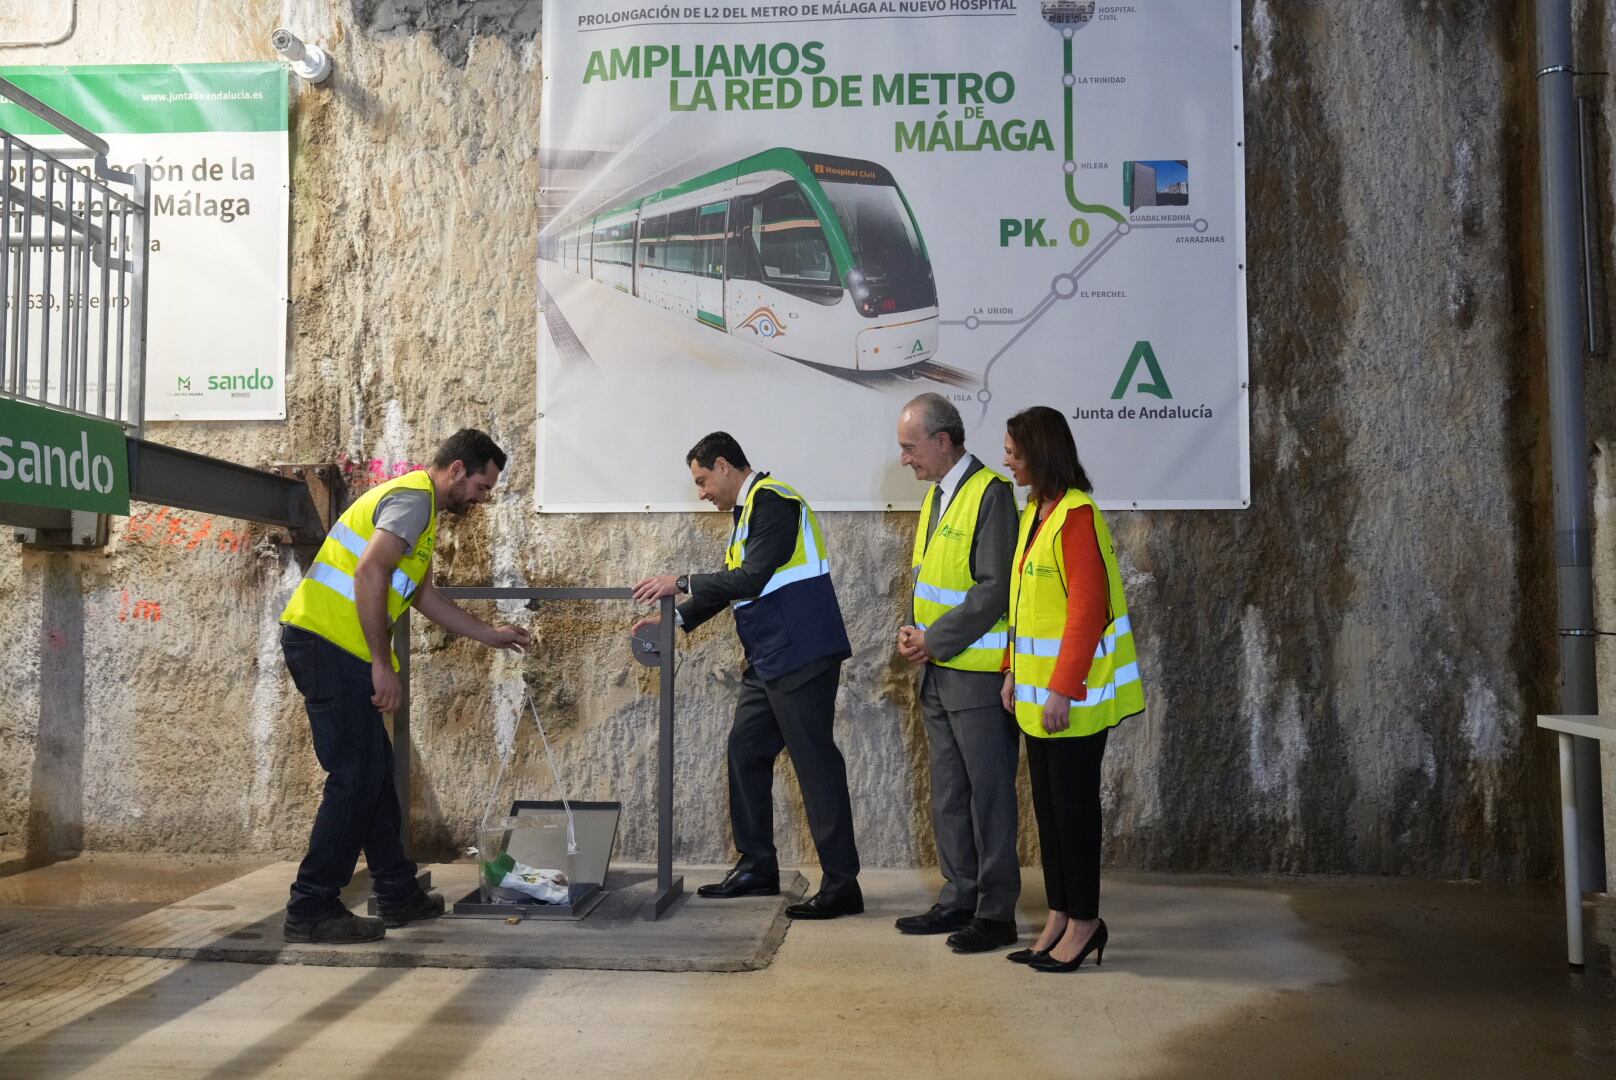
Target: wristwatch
682,583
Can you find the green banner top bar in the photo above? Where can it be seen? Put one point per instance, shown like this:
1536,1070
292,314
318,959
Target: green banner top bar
53,458
152,98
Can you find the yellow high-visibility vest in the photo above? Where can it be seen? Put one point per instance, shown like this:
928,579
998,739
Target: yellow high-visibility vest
942,569
324,601
795,619
807,560
1038,597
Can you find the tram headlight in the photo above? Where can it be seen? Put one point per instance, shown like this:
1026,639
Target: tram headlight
860,291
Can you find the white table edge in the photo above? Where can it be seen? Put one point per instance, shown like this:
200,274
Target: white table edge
1598,726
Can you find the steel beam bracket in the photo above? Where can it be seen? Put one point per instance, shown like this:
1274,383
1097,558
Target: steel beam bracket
326,493
67,530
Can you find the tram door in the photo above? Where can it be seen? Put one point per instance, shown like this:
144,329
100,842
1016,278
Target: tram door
710,226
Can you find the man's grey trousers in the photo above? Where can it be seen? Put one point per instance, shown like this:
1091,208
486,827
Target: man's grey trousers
974,752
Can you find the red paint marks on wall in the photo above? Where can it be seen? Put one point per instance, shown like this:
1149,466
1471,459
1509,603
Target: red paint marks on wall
138,610
166,527
374,471
55,639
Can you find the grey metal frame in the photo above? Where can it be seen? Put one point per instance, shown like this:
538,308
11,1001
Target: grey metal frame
103,237
668,887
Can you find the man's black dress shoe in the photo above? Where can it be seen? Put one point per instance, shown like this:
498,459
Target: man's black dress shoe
983,935
939,920
742,883
847,900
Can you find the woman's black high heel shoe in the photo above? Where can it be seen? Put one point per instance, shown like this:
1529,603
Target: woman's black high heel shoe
1096,945
1031,956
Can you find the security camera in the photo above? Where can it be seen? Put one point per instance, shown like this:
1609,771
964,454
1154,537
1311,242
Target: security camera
309,62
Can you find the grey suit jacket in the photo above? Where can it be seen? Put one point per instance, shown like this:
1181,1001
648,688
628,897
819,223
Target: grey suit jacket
993,548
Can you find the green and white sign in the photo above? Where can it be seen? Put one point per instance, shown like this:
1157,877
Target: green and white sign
50,458
786,220
215,136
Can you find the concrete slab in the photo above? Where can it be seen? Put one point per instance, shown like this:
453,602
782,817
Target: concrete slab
1205,979
240,921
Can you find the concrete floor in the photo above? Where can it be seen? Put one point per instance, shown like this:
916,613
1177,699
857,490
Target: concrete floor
1205,978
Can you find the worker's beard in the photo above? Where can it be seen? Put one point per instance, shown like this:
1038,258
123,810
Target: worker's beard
455,500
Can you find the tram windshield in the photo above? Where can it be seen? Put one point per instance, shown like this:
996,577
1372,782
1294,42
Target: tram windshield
885,245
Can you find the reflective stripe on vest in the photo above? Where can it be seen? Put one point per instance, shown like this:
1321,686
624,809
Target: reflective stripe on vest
342,534
1039,695
807,560
942,571
1038,599
995,641
1051,646
324,602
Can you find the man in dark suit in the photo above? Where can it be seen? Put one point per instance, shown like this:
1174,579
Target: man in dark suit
964,546
777,581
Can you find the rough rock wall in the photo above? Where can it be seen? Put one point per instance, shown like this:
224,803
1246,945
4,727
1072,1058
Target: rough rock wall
1341,679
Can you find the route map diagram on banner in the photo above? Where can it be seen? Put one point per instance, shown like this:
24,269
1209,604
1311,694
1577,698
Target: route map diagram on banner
784,221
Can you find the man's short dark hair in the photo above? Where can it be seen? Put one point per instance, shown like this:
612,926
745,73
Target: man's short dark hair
472,448
720,444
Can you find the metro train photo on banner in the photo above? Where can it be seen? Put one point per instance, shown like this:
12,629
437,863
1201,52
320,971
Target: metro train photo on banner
813,257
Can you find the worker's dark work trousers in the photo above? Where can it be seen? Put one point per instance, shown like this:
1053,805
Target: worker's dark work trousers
769,719
1065,775
359,811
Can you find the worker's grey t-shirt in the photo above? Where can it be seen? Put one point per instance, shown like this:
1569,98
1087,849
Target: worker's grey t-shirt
405,513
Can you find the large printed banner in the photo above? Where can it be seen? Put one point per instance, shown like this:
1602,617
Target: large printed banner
215,136
784,221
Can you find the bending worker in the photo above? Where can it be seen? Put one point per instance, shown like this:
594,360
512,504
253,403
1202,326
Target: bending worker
337,636
777,579
964,542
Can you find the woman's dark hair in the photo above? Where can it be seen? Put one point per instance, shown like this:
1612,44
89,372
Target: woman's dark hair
1045,442
720,444
472,448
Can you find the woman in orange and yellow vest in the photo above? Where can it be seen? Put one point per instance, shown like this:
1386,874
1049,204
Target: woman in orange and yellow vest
1071,676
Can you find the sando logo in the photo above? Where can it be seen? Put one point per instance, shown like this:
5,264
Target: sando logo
764,323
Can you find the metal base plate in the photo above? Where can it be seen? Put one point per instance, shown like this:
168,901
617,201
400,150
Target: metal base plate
664,898
472,907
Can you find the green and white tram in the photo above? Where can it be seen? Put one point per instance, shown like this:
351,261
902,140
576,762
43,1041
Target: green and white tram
814,257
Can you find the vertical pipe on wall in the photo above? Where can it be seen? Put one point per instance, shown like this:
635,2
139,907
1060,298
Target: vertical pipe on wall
1593,333
1558,175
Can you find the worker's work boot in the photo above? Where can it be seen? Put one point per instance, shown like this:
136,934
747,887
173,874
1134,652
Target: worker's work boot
344,929
423,905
